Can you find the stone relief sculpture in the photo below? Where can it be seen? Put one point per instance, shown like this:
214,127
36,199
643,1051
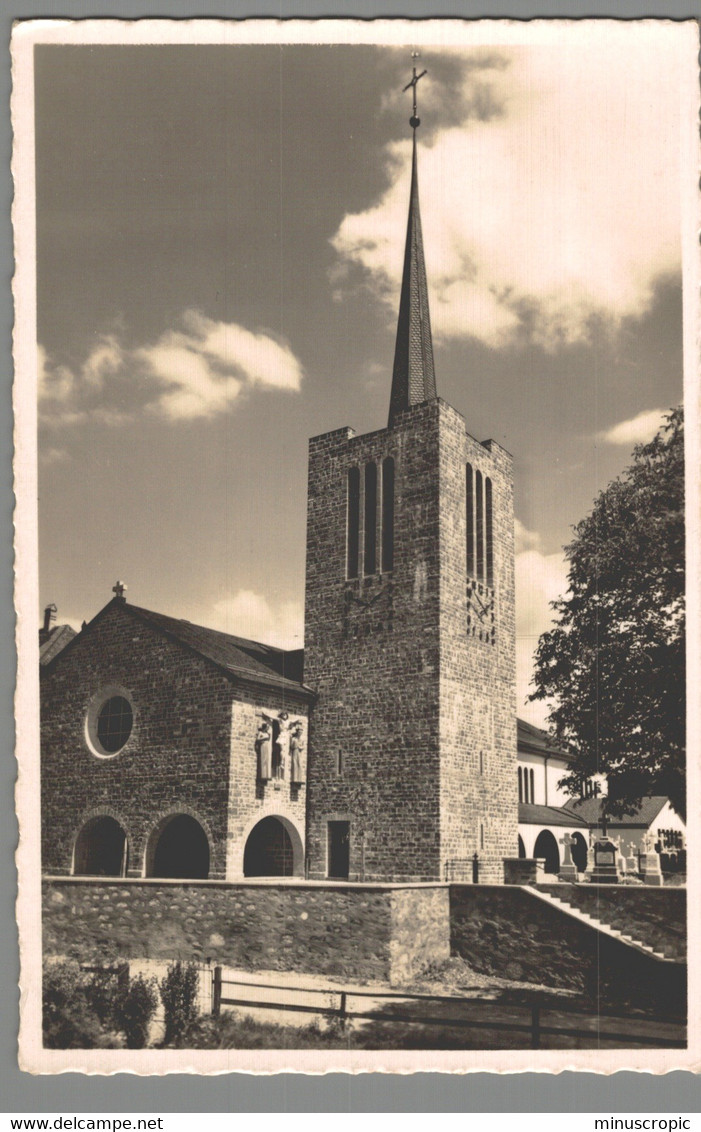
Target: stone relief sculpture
264,750
279,748
282,745
296,774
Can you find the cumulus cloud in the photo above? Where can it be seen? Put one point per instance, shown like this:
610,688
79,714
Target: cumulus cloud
249,614
540,579
197,370
554,215
638,430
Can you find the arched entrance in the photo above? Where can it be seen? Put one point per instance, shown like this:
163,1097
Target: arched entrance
579,852
521,847
546,846
273,849
179,849
100,849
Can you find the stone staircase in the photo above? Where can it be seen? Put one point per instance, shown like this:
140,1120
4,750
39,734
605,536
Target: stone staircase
562,904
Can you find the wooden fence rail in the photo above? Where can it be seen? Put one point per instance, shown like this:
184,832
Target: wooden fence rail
533,1012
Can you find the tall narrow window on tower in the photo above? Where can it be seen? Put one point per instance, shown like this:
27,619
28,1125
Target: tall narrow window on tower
488,530
370,556
470,517
479,493
387,514
353,522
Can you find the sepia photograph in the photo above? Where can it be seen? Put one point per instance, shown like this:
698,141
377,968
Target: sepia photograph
352,542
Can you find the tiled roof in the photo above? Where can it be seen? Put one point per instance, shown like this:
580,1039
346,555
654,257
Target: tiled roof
55,643
237,655
546,815
534,740
590,810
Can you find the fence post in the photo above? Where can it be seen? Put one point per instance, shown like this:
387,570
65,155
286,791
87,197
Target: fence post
342,1007
475,869
216,991
535,1027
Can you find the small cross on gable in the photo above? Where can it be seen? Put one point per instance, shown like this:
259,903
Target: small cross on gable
118,590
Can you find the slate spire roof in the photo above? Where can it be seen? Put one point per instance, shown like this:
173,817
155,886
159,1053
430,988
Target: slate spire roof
413,376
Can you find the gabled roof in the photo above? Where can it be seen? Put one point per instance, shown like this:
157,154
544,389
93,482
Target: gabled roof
590,810
237,657
533,740
56,641
529,814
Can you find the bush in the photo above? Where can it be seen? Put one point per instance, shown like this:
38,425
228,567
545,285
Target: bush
72,1010
179,996
134,1007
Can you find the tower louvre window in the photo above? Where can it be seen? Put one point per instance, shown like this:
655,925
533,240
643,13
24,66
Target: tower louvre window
353,523
388,514
520,784
489,534
530,773
470,517
480,524
370,556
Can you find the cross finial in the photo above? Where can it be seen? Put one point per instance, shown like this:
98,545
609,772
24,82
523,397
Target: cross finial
118,589
414,121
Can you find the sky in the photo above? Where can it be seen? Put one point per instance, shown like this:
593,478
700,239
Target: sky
219,246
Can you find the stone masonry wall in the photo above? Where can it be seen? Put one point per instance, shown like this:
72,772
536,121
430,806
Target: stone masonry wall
176,759
183,756
479,785
251,800
655,916
356,932
422,711
507,931
372,654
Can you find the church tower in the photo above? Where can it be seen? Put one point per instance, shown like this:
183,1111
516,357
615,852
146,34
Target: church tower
409,627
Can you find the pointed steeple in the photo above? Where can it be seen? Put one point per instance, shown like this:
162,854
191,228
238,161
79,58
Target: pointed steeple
413,376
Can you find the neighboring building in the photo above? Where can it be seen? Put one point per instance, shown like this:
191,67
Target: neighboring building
546,813
654,815
53,640
543,816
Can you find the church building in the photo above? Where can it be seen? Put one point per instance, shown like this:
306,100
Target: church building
387,751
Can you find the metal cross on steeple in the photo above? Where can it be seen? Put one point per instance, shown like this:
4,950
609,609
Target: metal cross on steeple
414,121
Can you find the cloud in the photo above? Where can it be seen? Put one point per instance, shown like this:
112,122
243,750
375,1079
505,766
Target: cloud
249,614
638,430
545,220
540,579
49,456
195,371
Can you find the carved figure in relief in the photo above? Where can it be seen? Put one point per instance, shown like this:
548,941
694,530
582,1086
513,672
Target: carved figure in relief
264,750
282,745
296,753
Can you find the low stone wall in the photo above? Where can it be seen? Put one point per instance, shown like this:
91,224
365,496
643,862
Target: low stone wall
507,931
353,931
655,916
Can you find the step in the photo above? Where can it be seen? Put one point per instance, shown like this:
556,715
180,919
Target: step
564,905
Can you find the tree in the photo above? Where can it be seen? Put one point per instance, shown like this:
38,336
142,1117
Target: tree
613,665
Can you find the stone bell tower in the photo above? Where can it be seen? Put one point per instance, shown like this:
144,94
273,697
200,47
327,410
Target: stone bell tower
410,637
